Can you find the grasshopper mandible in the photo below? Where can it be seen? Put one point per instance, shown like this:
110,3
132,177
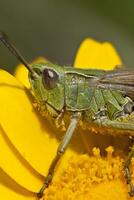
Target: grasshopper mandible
94,97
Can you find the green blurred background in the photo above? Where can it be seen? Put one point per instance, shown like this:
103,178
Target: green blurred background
55,28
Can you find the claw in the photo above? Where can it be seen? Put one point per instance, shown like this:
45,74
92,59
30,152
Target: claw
39,195
131,193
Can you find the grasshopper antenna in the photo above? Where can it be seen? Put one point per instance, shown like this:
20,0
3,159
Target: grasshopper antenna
5,40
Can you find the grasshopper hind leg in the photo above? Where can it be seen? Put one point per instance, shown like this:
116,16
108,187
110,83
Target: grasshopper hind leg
127,170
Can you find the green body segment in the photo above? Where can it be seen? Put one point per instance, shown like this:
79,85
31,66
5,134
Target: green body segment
83,93
79,90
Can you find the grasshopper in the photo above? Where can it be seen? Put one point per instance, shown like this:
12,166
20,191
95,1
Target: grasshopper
102,100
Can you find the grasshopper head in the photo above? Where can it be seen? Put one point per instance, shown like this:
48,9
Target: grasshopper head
48,87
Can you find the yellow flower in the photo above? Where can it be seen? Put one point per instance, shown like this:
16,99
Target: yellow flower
28,143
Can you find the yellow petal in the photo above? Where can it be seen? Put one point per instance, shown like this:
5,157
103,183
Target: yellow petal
16,167
28,132
95,55
21,72
25,129
9,190
109,190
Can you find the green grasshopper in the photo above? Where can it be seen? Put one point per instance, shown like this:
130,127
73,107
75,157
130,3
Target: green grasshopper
102,100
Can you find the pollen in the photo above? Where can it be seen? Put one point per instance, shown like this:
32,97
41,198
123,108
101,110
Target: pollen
91,177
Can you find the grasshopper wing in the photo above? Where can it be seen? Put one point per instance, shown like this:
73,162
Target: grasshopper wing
122,80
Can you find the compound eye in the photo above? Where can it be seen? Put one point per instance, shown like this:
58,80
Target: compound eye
50,78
